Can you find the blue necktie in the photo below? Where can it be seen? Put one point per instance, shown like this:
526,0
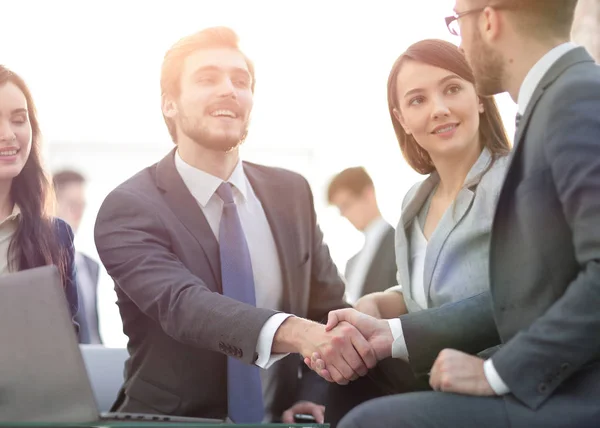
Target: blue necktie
244,390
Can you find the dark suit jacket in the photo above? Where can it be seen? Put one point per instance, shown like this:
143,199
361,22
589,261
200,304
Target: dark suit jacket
93,269
382,271
158,247
545,249
65,240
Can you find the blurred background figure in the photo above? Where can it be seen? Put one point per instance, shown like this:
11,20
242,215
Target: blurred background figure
69,187
373,268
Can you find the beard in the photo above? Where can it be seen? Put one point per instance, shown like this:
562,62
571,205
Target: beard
488,67
222,140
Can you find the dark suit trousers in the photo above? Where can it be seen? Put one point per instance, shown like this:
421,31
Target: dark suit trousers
389,377
573,404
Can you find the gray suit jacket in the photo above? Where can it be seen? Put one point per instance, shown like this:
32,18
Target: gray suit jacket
545,251
382,271
93,269
158,247
456,266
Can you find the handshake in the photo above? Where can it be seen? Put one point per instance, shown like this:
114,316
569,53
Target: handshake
347,347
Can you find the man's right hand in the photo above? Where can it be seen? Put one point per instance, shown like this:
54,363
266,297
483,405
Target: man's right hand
376,332
345,352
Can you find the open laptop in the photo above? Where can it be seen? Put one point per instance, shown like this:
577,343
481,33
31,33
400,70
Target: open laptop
42,374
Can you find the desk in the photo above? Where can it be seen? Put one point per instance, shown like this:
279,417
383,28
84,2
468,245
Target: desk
124,424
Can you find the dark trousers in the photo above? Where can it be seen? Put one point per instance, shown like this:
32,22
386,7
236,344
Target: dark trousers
389,377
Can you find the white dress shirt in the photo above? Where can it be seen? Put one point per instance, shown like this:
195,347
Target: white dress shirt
8,227
530,83
537,72
266,267
373,234
418,251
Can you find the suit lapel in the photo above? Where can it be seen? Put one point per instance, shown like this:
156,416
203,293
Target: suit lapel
569,59
453,215
450,219
270,195
186,209
402,242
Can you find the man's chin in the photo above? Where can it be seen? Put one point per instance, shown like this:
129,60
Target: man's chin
224,145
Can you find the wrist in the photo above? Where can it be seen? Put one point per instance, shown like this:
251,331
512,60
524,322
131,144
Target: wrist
387,339
291,335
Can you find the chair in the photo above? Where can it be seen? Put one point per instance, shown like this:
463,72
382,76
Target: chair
105,367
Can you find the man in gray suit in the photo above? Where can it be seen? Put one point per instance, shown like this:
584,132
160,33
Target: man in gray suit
211,256
545,247
374,267
69,187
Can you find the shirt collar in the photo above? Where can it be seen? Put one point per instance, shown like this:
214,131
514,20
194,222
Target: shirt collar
537,72
203,185
374,228
16,212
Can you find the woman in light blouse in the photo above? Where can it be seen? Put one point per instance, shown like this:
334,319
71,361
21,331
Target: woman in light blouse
456,137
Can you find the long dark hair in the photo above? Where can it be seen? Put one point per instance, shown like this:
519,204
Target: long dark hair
442,54
35,242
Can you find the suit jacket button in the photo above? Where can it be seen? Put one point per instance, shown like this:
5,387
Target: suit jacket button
542,388
565,367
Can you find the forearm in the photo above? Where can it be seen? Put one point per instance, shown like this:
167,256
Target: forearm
391,304
556,345
467,325
382,305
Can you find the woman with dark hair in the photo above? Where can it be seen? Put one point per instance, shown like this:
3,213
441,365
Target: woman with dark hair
446,130
29,236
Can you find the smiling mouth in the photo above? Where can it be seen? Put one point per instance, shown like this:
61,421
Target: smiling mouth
224,113
447,128
11,152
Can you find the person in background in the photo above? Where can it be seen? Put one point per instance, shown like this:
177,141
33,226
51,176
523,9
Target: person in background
374,267
29,236
69,187
446,130
219,264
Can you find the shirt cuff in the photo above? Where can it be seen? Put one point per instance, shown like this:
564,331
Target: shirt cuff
265,341
398,345
396,288
494,378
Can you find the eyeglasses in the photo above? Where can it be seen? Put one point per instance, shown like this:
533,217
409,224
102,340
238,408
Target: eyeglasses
452,21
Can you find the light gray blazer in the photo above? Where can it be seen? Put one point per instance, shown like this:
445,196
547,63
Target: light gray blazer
457,258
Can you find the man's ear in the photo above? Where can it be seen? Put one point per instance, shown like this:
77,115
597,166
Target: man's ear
491,24
169,107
